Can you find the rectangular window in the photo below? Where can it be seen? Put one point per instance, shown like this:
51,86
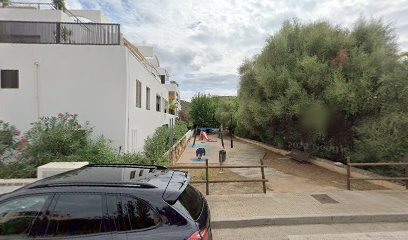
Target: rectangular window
158,103
147,98
9,79
75,214
190,202
138,94
127,213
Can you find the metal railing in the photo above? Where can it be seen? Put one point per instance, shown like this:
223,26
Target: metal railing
350,178
59,33
207,181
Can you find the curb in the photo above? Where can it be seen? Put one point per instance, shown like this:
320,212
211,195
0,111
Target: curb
17,181
309,219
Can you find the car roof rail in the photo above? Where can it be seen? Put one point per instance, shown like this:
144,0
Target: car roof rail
95,184
118,165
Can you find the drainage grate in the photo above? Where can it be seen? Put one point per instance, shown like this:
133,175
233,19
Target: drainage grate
323,198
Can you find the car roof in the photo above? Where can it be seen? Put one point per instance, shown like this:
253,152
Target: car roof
141,176
160,180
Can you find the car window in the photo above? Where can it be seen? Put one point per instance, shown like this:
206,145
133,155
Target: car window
74,214
17,215
128,213
190,202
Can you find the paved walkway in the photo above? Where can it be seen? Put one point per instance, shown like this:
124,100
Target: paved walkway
304,204
248,154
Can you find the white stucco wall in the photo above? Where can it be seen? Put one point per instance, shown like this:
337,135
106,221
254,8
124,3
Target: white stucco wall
143,122
87,80
36,15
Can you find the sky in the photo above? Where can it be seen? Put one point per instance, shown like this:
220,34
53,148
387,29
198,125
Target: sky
203,42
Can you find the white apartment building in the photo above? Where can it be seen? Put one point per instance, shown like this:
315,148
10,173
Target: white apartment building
53,62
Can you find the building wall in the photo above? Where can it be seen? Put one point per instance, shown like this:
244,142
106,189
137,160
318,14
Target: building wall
87,80
35,15
141,121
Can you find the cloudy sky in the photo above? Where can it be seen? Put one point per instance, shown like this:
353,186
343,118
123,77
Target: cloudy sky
203,42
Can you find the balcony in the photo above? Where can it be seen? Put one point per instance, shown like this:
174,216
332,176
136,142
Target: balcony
59,33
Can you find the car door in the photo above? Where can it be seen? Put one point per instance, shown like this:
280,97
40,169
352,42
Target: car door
133,218
73,216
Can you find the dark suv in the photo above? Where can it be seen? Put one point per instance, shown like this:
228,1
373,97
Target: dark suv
107,202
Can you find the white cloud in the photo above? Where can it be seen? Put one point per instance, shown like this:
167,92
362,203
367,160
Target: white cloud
202,43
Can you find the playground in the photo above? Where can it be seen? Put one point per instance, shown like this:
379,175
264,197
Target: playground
283,174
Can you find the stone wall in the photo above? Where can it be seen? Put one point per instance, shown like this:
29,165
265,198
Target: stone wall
178,148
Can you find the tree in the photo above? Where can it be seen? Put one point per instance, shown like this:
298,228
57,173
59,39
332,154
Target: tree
313,84
384,136
202,111
59,4
5,2
226,112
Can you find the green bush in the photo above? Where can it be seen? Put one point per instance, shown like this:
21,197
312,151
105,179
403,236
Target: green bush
63,138
57,139
157,145
7,133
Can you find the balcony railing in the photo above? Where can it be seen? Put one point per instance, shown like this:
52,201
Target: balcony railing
59,33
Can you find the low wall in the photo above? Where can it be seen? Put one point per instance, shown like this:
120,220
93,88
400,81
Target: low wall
329,165
174,153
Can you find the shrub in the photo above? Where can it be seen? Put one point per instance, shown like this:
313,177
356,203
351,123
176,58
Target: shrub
59,138
157,145
10,140
63,138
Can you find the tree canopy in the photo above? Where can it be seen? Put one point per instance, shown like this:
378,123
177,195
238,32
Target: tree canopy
202,111
327,89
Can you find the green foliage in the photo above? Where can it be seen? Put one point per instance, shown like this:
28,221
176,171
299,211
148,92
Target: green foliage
8,140
319,85
226,112
156,146
59,138
62,138
59,4
202,111
383,136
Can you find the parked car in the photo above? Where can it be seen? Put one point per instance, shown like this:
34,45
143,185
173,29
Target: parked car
107,202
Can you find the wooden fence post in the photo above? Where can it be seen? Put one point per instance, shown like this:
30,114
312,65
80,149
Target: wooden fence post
207,185
263,174
348,174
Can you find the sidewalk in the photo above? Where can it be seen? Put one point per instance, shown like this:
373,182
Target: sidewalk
229,211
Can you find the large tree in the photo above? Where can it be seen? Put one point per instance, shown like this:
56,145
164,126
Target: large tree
313,84
202,111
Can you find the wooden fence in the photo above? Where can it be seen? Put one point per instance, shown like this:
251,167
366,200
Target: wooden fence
208,181
350,165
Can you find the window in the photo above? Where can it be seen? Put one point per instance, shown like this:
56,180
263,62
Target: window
158,103
128,213
75,214
9,79
17,215
147,98
138,94
190,202
163,79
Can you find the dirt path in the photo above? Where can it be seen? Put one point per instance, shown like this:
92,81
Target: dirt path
284,175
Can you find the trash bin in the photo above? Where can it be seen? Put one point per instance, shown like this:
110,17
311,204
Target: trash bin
222,156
